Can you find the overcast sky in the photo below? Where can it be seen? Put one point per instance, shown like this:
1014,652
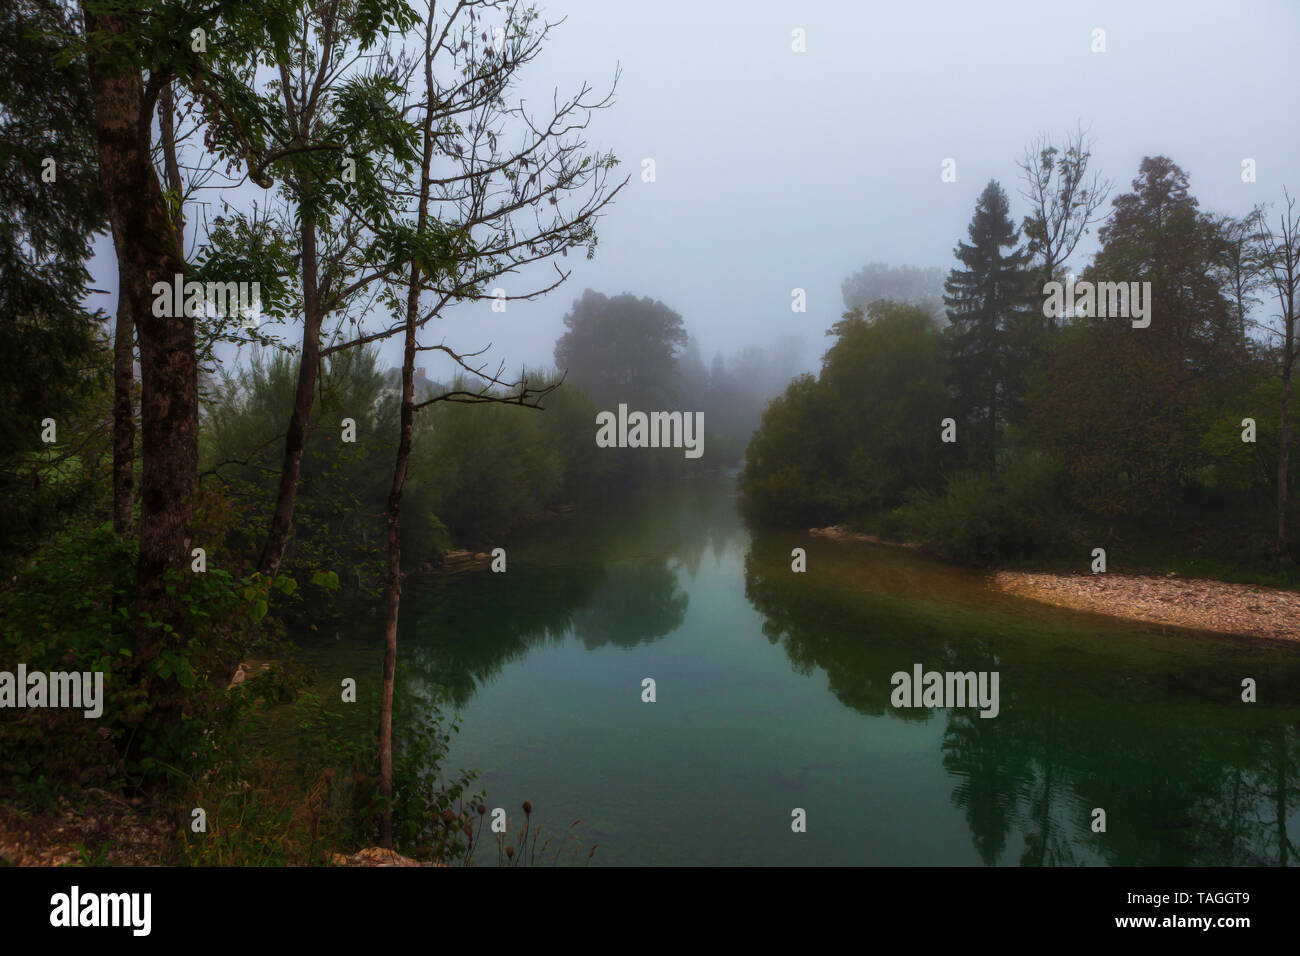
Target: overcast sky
778,170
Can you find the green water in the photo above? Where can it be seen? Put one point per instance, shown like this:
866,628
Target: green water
773,693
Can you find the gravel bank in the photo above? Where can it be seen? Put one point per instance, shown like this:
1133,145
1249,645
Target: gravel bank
1244,609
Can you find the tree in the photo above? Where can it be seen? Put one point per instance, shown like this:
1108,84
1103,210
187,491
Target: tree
1280,254
1242,266
135,50
504,207
405,428
119,52
1064,197
622,349
1157,234
333,136
989,304
442,260
907,285
50,209
1120,406
862,433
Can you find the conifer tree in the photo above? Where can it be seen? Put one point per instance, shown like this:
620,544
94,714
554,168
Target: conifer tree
989,303
50,209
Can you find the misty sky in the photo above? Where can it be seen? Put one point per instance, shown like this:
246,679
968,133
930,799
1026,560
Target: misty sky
778,169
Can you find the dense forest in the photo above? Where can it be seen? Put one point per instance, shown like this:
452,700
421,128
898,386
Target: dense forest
1040,414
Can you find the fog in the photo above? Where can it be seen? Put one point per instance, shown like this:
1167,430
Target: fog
777,170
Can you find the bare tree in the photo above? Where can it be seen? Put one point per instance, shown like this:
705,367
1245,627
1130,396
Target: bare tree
1245,270
1064,198
1280,254
519,205
510,205
446,264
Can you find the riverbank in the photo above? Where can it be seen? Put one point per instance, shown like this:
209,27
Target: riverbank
1222,607
105,830
1246,610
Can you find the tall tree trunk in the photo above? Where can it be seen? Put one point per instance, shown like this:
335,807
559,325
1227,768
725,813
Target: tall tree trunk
400,467
277,538
148,253
395,562
124,346
123,412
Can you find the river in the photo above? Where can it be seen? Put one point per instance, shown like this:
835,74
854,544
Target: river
773,695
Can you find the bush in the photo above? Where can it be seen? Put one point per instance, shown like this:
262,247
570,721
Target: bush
165,713
979,519
338,520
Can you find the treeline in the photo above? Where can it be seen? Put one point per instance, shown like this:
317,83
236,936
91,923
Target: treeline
1046,420
477,474
637,351
153,506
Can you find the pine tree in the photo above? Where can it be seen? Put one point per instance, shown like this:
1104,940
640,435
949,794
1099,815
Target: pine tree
989,306
50,209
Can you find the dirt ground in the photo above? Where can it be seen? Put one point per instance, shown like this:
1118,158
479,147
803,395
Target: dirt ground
105,830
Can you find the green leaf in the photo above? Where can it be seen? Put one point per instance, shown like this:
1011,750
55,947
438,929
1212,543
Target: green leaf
325,579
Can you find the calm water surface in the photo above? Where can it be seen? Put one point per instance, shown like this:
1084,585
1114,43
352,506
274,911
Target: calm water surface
773,693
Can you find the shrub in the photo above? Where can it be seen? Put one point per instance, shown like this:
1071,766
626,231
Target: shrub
164,713
979,519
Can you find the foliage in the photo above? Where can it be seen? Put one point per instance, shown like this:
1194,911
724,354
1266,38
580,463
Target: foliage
483,470
54,366
317,796
621,349
863,432
477,471
980,518
432,813
1114,413
164,713
339,514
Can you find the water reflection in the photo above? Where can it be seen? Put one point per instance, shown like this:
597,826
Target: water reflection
1152,731
775,692
635,603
